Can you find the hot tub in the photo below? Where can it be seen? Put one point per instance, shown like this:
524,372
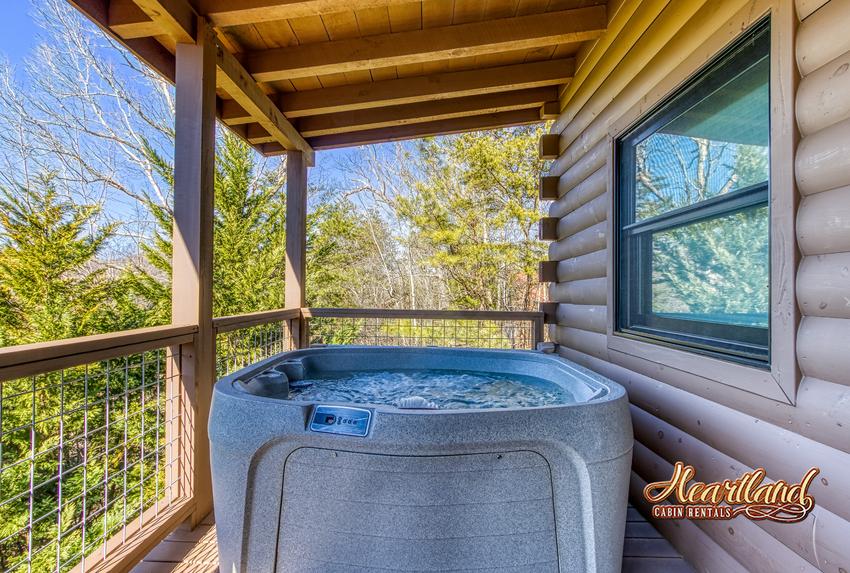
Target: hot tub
308,476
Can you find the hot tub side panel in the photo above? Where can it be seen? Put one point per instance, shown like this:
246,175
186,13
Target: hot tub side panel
251,469
374,512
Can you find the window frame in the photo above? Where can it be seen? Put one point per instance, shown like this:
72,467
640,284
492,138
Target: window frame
662,75
633,273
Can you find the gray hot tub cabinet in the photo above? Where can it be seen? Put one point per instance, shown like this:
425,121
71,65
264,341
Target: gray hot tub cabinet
519,489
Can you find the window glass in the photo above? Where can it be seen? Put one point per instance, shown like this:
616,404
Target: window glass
693,218
714,270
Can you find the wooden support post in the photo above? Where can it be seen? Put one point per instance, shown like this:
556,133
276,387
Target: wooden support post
548,272
548,230
296,237
192,257
550,146
549,188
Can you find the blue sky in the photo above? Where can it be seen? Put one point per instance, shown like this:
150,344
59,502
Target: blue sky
17,30
19,35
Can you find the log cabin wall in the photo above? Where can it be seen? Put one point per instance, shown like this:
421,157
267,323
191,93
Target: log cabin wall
723,431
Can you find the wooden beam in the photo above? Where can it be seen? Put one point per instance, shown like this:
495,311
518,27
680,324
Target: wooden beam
550,110
427,88
129,21
256,133
548,188
548,229
418,46
147,50
441,127
296,230
548,272
192,259
175,18
549,146
234,13
549,310
424,112
253,133
231,113
244,90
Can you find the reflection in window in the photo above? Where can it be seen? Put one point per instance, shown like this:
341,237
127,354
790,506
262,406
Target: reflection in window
693,221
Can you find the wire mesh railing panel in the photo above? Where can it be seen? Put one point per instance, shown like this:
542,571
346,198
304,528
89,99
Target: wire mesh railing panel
241,347
84,458
442,332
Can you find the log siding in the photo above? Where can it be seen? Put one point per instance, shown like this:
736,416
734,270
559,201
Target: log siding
721,429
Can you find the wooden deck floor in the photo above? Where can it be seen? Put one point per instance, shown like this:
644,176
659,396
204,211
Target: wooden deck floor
194,551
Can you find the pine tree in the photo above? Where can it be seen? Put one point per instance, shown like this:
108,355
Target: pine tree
248,239
50,285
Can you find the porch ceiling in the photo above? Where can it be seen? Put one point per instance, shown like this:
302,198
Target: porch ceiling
319,74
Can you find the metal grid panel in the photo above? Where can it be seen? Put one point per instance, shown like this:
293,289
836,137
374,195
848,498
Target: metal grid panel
86,457
386,331
238,348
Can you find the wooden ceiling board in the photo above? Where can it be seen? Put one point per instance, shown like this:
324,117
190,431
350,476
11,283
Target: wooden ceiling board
567,50
282,86
500,9
466,11
437,13
526,7
451,42
555,5
280,51
373,21
541,53
250,37
304,84
307,30
341,25
405,17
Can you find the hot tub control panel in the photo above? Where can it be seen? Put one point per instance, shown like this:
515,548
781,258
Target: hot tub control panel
341,420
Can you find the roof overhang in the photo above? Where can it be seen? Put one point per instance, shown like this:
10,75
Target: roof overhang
318,74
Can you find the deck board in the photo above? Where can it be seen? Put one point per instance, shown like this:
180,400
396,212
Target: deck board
188,550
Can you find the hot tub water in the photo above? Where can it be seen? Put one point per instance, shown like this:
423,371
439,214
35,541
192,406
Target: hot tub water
447,389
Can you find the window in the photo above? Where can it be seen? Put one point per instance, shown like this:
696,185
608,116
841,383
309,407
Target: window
692,215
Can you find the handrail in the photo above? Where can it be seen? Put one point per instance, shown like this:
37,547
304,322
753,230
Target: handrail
537,318
235,322
40,357
404,313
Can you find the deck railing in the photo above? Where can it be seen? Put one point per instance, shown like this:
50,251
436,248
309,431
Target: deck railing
92,449
248,338
447,328
96,443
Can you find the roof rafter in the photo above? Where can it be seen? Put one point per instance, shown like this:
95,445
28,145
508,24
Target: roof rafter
425,112
414,130
245,91
231,13
136,24
448,42
426,88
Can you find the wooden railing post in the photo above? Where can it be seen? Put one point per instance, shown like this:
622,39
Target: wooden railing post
296,238
192,258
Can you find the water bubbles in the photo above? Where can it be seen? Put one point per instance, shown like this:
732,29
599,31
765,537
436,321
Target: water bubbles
444,389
